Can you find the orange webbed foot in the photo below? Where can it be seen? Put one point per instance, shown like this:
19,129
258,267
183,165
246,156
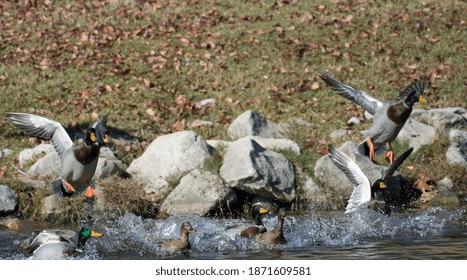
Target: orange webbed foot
372,149
90,192
69,186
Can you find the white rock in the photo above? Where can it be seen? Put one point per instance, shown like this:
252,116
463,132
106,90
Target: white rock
199,192
168,157
417,134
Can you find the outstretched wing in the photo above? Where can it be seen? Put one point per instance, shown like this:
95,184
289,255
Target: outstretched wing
418,86
368,102
362,188
43,128
395,164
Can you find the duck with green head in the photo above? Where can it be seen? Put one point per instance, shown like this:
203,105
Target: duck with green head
389,117
57,244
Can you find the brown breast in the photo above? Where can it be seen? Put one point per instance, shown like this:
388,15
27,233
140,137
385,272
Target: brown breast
86,154
252,231
398,113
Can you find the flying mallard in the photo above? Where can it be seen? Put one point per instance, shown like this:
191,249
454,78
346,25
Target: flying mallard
78,161
389,117
364,192
56,244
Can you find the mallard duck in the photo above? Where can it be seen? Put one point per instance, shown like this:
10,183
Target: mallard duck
276,235
389,117
55,244
256,212
181,244
78,161
364,192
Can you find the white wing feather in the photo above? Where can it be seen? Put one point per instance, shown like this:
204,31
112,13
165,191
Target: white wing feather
362,188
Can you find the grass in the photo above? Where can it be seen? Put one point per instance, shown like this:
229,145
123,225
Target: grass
76,60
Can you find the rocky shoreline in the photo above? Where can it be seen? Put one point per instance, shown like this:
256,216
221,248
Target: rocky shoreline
184,173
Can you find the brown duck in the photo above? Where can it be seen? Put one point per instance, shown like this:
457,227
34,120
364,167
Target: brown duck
256,212
181,244
276,235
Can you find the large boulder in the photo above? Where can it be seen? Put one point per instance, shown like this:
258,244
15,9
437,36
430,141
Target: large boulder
417,134
249,167
250,123
167,158
8,200
108,164
274,144
199,192
457,152
443,118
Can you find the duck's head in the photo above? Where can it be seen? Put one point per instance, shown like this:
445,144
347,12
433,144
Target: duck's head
257,211
186,228
282,214
91,136
414,93
378,186
83,235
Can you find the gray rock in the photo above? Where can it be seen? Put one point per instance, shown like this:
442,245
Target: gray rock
251,123
457,155
249,167
417,134
340,133
108,164
267,143
457,135
334,180
444,184
51,209
8,199
5,152
444,118
199,192
167,158
48,165
314,195
353,121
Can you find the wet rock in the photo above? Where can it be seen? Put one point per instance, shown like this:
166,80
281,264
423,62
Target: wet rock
332,179
8,200
167,158
267,143
443,118
199,192
249,167
51,209
251,123
417,134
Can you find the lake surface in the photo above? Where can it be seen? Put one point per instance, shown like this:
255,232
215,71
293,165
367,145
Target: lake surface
432,233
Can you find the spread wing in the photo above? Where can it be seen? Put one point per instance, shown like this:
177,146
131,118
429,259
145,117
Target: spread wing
418,85
362,188
396,163
43,128
368,102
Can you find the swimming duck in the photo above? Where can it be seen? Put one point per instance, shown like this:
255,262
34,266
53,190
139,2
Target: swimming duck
276,235
56,244
79,161
365,193
389,117
181,244
256,212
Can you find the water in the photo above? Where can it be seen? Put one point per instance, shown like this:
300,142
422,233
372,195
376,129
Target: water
433,233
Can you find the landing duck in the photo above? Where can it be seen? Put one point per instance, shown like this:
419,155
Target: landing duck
57,244
389,117
182,244
79,161
364,193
